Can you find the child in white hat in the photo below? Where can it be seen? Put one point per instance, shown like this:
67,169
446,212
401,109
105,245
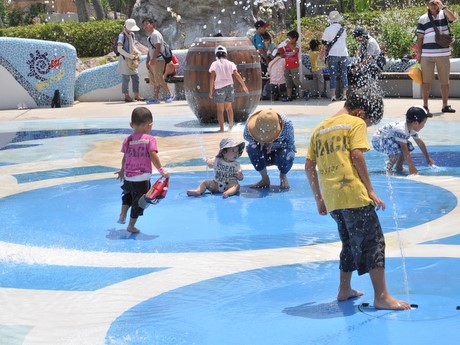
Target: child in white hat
221,85
226,168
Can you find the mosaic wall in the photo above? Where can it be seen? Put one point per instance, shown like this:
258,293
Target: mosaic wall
40,67
107,77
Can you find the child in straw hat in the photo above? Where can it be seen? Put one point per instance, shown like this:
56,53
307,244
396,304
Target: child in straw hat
227,170
344,189
270,138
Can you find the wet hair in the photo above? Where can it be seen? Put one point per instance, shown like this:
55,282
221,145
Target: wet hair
368,99
293,34
314,44
141,116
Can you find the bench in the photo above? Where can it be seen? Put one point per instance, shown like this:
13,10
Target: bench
172,80
390,76
178,80
399,84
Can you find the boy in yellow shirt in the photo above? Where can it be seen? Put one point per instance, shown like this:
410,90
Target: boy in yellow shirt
342,187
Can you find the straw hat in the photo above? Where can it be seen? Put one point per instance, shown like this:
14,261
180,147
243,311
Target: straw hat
227,143
335,17
130,25
265,126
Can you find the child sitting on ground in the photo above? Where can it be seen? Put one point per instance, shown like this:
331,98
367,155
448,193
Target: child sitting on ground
227,170
139,152
393,139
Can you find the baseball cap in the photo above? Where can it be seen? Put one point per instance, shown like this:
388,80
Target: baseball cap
221,49
417,114
260,24
358,32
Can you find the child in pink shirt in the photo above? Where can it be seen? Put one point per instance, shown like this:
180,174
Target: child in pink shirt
277,78
139,152
221,85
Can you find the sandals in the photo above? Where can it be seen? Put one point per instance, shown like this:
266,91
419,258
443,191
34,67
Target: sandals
447,109
139,99
128,100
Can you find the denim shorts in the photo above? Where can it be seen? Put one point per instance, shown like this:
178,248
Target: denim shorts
224,95
363,244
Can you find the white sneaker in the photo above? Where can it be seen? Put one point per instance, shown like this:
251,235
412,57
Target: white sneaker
333,99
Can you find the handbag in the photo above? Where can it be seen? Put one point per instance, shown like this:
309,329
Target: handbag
415,73
331,43
443,40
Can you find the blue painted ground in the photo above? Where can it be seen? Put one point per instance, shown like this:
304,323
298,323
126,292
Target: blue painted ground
83,216
295,305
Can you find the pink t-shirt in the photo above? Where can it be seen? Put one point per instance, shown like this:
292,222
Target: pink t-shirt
137,148
224,72
276,71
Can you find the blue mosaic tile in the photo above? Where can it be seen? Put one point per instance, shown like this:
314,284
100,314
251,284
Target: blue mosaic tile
41,67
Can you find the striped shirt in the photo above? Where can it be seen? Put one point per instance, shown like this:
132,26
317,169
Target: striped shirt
425,27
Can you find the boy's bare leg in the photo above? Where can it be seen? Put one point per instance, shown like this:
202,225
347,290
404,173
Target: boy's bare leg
382,298
391,162
232,190
131,225
399,164
264,182
284,184
345,290
123,213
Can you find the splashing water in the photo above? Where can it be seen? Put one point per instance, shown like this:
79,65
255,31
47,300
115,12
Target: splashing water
401,247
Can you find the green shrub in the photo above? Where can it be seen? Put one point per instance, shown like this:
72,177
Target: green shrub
90,39
394,30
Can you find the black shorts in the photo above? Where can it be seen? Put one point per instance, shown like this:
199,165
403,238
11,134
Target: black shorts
132,191
363,243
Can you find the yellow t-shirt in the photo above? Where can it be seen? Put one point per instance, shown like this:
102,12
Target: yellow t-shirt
317,63
330,147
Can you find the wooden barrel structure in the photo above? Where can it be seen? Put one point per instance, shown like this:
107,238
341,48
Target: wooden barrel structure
200,55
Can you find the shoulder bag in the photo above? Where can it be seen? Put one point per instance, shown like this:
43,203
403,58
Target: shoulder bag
443,40
331,43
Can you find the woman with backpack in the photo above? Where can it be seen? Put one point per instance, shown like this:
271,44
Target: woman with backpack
129,60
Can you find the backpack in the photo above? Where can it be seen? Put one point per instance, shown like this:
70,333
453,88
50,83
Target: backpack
168,53
167,56
115,43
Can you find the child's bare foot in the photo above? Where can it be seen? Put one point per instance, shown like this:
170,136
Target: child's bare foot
348,294
390,303
122,219
133,230
284,184
193,193
261,184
